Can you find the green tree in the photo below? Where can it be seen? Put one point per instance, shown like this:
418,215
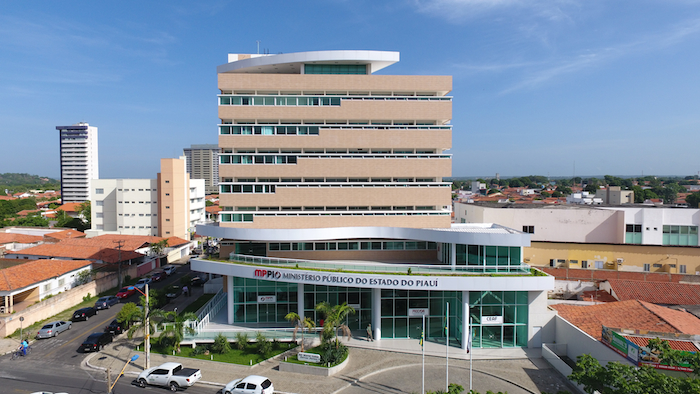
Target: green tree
157,248
335,319
618,378
515,183
693,200
129,314
175,326
300,323
85,210
221,344
638,194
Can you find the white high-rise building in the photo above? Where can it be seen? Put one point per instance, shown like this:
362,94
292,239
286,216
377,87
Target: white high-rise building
203,163
79,161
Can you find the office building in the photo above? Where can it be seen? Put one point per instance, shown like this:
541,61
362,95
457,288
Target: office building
332,189
79,161
170,205
203,163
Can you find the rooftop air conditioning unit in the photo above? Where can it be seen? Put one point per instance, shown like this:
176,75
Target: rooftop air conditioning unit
620,261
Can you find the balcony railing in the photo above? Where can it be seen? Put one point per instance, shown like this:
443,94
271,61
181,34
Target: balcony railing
385,268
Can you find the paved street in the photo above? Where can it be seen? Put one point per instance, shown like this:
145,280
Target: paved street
56,365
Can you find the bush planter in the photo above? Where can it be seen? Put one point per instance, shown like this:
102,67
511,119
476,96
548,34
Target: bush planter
312,369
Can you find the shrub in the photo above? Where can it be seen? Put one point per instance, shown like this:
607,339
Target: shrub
127,279
332,354
87,297
221,344
263,344
241,340
202,349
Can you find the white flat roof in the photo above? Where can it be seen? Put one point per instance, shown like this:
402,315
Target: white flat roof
463,233
291,63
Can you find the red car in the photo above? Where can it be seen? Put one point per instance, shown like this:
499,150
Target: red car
126,292
158,276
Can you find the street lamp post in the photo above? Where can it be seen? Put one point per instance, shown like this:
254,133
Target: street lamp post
111,385
147,327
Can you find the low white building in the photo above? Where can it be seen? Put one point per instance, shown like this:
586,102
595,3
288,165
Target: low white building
590,224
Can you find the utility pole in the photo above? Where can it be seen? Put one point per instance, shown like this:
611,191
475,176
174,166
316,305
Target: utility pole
147,331
120,244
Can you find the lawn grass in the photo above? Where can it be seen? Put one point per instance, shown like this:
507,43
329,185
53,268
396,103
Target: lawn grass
32,329
198,303
242,357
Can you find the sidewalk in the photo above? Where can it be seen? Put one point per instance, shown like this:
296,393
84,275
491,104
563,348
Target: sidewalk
517,374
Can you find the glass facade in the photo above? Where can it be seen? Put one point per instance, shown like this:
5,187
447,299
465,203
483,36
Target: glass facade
359,299
512,306
509,308
396,322
335,69
680,235
633,234
248,309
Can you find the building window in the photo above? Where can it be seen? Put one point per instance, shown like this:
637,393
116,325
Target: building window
99,203
680,235
529,229
633,234
584,263
61,281
99,215
167,181
682,269
99,191
647,267
167,194
599,265
167,207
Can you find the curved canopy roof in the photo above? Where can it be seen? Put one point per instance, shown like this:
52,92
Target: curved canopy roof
291,63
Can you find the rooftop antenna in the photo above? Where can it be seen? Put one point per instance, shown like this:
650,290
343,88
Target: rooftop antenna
258,41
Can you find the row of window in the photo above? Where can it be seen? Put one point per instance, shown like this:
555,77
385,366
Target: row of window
249,217
292,159
358,151
335,208
226,189
269,130
303,101
324,180
154,227
359,245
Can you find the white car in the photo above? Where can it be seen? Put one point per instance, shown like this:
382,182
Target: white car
169,269
141,284
252,384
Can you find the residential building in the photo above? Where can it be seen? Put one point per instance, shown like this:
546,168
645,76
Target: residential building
203,163
614,195
79,161
332,190
170,205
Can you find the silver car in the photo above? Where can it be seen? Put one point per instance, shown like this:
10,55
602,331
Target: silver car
52,329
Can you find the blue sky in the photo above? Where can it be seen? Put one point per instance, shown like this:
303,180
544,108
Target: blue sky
540,87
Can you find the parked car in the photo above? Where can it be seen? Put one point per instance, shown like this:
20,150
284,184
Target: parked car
52,329
96,341
126,292
173,291
198,281
169,269
158,276
171,375
115,327
84,313
141,284
106,302
253,384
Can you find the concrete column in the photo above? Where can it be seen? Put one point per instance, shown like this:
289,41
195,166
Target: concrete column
12,303
300,300
465,319
453,255
229,297
377,313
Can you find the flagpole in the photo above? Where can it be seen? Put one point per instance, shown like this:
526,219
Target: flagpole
471,354
422,346
447,349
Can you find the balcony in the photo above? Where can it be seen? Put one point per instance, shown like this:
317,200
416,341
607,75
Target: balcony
386,268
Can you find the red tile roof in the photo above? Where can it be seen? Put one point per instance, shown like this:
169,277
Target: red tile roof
26,212
65,234
601,275
598,295
66,249
656,292
6,238
676,345
36,271
633,314
70,207
213,209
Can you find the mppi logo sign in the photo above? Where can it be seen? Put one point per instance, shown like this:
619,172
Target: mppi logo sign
267,274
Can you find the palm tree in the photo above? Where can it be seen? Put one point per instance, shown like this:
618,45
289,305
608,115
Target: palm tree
176,329
299,323
334,319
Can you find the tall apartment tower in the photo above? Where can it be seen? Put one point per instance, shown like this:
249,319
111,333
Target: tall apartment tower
79,161
203,163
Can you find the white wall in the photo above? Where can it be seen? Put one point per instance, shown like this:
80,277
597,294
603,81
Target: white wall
655,218
539,316
60,284
198,203
578,342
555,224
129,206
